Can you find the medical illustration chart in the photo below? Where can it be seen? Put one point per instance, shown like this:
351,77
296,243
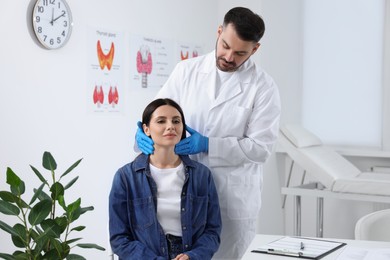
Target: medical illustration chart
151,61
105,71
184,51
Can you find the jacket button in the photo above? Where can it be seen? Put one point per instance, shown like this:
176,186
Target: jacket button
186,246
184,227
183,209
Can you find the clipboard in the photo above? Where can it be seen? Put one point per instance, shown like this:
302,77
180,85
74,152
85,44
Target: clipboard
301,247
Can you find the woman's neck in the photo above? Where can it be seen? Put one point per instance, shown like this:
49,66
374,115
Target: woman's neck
164,158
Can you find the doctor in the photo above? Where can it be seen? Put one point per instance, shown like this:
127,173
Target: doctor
232,107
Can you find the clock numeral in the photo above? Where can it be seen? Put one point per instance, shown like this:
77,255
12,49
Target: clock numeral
58,40
41,9
44,37
51,41
37,19
47,2
63,33
39,29
65,23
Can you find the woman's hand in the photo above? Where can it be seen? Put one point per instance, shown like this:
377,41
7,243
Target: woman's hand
182,257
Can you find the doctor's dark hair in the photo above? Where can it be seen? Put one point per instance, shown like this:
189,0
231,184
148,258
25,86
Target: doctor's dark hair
149,110
248,25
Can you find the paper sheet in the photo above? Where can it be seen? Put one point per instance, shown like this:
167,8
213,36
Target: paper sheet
357,253
312,248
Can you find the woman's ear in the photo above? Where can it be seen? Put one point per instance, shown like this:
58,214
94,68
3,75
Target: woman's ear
146,129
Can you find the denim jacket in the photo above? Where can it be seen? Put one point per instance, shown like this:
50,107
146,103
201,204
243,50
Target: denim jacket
135,232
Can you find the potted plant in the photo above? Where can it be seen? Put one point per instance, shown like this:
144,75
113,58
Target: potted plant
46,223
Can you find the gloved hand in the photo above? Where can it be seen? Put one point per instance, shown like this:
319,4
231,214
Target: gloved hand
144,142
196,143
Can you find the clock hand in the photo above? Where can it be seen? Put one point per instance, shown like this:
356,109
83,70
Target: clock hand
52,16
63,14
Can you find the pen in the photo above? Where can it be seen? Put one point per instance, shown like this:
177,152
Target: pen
302,246
283,252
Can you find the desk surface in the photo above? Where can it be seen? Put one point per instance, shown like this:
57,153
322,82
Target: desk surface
264,239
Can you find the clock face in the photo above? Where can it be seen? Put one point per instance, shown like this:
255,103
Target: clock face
52,23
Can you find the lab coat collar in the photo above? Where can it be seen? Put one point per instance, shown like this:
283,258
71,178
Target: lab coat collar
240,77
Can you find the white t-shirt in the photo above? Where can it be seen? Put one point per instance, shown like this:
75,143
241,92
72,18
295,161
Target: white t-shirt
222,78
169,187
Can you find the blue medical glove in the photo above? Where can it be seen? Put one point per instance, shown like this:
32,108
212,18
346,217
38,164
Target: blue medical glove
196,143
144,142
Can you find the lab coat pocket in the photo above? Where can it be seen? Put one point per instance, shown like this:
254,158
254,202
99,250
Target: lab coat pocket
199,211
243,195
141,213
234,120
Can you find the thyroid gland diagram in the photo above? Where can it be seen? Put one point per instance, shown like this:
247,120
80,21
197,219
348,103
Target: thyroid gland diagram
105,60
113,96
144,63
185,55
98,96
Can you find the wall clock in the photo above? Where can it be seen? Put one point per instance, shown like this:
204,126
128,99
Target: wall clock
52,23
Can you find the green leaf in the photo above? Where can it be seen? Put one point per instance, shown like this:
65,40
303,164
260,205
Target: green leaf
71,168
71,183
79,228
8,196
37,173
51,228
7,256
70,241
37,193
83,210
56,190
39,212
7,228
91,246
19,255
17,185
61,201
42,195
62,222
73,210
48,162
8,208
12,178
75,257
21,239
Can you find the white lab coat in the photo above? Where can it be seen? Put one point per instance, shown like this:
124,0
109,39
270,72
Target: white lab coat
242,124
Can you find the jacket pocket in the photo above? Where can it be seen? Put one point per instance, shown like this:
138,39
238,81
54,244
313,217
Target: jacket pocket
142,213
243,195
199,211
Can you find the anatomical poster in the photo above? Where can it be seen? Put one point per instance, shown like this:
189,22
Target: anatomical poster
184,51
151,61
105,71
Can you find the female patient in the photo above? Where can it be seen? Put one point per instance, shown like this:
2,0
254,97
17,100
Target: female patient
164,205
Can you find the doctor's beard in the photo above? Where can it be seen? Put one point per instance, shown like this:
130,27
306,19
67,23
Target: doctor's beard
231,66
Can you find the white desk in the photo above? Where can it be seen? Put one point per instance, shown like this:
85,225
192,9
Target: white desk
264,239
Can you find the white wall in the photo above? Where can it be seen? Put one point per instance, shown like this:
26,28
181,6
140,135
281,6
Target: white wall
43,97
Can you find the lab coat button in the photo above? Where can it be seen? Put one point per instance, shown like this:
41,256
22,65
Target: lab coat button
184,227
183,209
186,246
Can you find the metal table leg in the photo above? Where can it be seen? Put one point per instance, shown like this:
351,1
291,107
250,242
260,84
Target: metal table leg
320,217
297,215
